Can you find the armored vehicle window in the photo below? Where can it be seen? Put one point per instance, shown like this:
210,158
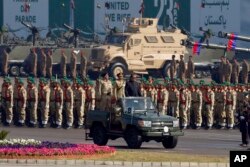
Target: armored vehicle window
137,41
116,39
167,39
151,39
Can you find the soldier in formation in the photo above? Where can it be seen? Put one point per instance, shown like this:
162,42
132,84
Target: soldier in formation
63,64
65,104
42,63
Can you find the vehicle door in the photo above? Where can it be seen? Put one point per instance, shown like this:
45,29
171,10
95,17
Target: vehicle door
134,50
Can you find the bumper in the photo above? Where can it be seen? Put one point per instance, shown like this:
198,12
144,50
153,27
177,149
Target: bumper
160,134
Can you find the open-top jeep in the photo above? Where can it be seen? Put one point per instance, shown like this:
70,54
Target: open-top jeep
136,120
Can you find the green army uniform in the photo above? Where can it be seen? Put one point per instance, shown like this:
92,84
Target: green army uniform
68,98
79,103
32,101
196,106
21,102
7,100
44,101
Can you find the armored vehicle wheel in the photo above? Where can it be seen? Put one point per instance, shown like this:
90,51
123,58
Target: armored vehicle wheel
170,142
14,70
166,70
133,138
116,68
99,135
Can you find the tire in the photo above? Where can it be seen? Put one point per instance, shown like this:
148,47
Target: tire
14,71
116,68
170,142
166,70
99,135
22,71
133,138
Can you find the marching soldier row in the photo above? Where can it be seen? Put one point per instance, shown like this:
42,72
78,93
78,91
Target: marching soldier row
65,103
58,103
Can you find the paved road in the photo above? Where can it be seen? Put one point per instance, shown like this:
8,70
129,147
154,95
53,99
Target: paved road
202,142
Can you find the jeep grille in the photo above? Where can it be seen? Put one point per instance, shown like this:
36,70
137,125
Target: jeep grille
162,124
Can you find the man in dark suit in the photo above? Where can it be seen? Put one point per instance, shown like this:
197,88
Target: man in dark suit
132,88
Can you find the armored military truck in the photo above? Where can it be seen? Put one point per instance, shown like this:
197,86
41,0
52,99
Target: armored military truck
140,48
136,120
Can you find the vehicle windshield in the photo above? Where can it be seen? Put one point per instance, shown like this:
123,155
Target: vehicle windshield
116,39
138,104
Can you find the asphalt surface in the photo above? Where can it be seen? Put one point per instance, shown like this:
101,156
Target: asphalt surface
201,142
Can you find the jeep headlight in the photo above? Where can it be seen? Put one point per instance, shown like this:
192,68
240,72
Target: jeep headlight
142,123
176,123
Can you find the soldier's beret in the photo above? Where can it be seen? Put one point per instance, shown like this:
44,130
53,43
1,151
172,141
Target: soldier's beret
90,82
31,79
7,79
20,81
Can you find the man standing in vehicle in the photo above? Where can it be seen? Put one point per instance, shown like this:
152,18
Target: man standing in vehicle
132,88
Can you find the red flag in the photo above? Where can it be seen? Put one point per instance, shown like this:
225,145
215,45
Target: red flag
72,4
197,48
231,42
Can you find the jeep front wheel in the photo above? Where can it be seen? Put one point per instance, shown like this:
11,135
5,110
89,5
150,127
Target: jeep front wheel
170,142
99,135
117,68
133,138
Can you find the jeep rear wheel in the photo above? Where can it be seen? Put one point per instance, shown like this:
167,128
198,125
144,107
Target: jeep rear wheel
170,142
99,135
133,138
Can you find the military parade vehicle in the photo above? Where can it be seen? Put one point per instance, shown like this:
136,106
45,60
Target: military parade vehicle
141,48
136,120
57,39
214,66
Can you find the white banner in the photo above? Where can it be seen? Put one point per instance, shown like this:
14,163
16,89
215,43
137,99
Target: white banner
34,12
217,15
111,12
